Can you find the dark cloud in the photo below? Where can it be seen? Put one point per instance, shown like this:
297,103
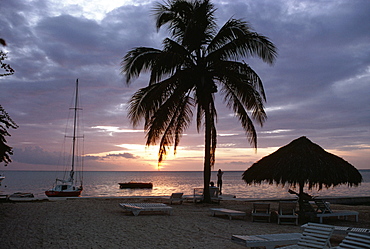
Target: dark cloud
36,155
122,155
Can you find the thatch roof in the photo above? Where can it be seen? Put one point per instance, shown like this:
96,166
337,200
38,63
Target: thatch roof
303,162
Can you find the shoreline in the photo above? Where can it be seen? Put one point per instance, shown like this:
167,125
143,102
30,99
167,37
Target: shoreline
344,200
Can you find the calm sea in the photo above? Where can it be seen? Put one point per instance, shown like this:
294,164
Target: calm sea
164,183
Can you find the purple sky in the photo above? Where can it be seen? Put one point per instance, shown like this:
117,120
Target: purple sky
319,86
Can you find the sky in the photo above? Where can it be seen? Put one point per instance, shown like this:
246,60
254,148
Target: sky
319,86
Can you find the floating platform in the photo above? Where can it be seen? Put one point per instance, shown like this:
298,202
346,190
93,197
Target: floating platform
135,185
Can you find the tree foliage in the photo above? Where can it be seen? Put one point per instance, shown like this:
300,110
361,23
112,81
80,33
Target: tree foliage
5,121
198,61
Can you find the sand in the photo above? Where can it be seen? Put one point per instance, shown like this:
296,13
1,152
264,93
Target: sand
101,223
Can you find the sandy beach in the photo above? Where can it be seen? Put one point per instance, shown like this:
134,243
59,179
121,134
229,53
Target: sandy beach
101,223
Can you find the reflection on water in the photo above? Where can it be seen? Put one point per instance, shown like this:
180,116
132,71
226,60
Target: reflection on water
164,183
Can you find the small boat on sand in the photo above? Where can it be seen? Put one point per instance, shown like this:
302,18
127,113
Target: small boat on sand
24,197
133,184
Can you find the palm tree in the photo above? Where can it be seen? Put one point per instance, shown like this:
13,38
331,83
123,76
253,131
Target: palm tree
197,62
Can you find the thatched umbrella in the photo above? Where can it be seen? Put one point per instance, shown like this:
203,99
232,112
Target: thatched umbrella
303,162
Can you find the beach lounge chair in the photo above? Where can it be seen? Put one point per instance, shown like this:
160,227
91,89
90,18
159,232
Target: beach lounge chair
176,197
355,241
323,210
261,212
213,192
308,210
229,212
286,213
198,195
136,208
269,241
346,230
314,236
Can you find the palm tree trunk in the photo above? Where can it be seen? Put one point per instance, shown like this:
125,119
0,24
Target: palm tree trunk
207,156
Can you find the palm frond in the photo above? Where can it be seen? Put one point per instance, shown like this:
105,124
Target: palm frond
142,104
213,145
146,101
234,103
173,57
170,121
235,40
240,87
174,13
213,117
179,122
138,60
238,71
184,118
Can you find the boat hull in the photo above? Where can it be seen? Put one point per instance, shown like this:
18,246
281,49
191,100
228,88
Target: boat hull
53,193
135,185
64,191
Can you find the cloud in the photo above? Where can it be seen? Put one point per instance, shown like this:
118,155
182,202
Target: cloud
318,86
38,156
122,155
35,155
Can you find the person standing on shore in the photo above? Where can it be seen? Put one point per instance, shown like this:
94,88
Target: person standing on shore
219,180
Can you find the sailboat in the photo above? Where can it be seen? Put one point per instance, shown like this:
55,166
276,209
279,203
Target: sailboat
67,187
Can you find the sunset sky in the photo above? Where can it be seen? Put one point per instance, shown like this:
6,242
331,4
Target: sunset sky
319,86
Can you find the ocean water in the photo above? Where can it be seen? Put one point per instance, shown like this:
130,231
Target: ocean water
100,184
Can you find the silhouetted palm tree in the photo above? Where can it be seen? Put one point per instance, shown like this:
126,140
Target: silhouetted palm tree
195,63
5,123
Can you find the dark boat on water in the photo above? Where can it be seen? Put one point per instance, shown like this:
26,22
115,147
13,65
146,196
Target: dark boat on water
136,185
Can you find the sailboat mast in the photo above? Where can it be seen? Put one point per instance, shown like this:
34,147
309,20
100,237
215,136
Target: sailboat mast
74,130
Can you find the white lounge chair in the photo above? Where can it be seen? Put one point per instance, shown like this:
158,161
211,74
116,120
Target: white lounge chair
261,212
355,241
213,192
314,236
199,196
136,208
269,241
176,197
287,213
229,212
346,230
323,210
